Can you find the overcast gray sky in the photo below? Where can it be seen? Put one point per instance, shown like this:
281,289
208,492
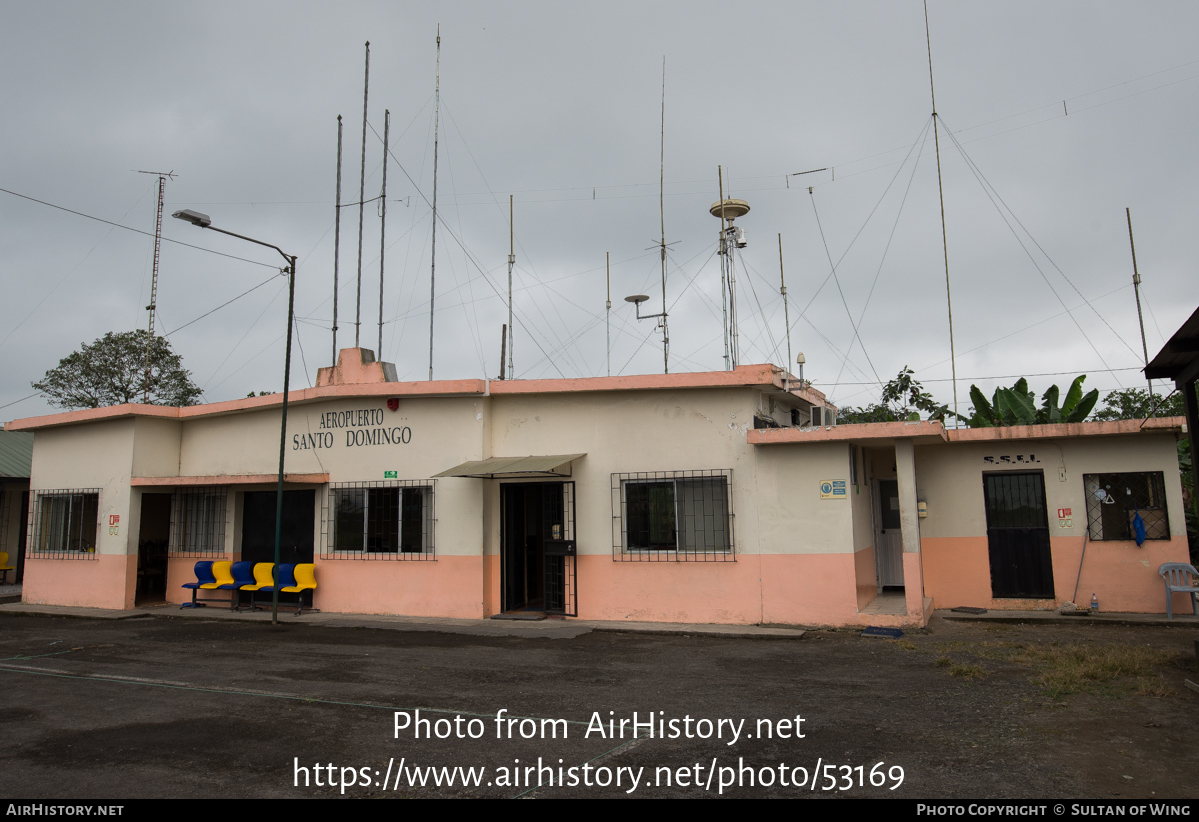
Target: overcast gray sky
559,105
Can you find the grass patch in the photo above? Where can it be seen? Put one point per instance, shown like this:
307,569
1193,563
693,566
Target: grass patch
1070,668
943,662
967,671
907,644
1154,686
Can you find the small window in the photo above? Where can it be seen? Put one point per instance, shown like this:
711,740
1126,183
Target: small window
65,524
380,521
198,522
679,515
1115,500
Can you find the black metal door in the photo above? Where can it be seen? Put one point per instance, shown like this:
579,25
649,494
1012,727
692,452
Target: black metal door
1018,536
558,514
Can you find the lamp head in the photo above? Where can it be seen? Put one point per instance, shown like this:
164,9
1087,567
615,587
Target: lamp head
193,217
801,359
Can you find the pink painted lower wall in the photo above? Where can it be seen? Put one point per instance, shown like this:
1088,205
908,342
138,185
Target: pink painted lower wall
866,575
107,581
491,585
801,589
450,586
957,571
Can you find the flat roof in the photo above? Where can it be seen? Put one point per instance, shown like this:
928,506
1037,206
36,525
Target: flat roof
926,432
743,376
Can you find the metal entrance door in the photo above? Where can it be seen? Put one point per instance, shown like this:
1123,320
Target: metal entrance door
888,556
558,522
1018,536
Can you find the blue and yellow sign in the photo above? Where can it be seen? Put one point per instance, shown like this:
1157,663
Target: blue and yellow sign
832,489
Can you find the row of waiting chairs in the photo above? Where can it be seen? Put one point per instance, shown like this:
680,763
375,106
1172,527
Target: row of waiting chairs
254,577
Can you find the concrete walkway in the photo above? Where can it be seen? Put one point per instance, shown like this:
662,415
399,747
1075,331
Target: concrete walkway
546,628
1186,620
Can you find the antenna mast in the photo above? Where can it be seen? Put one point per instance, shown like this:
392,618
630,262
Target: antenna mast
724,307
511,262
662,216
383,224
163,176
336,240
953,366
433,262
1136,286
786,312
608,312
731,238
362,197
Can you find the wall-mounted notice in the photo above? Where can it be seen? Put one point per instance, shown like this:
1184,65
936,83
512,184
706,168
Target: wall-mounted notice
832,489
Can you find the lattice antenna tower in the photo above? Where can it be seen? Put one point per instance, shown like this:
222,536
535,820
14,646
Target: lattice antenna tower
163,176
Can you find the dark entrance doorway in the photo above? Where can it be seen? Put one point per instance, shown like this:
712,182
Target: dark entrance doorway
537,572
258,527
1018,536
154,536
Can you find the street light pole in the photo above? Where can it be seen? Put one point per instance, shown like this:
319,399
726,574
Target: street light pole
204,221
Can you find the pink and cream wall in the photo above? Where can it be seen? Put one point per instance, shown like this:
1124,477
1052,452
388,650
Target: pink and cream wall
802,557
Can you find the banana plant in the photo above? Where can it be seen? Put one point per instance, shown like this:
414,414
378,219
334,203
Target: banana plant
1017,406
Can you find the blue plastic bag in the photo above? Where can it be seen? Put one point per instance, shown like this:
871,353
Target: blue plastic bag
1138,525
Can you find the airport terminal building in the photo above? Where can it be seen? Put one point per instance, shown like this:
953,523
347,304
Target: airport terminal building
717,497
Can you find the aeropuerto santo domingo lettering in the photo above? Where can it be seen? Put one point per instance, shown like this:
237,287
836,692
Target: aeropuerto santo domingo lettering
362,426
652,725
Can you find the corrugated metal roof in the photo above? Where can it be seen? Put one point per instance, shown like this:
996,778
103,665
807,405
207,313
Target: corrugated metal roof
546,466
16,454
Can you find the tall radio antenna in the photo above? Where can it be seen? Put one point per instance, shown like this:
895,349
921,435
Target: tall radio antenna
383,224
336,240
366,84
163,176
662,216
433,258
953,366
511,262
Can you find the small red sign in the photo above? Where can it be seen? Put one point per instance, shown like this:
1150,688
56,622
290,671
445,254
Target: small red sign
1062,513
393,403
114,519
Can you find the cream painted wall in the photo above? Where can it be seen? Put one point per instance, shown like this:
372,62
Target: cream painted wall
791,516
950,477
99,455
156,447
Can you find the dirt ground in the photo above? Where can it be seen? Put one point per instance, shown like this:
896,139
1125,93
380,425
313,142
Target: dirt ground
163,707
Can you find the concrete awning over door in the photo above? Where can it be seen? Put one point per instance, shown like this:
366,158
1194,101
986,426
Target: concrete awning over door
514,467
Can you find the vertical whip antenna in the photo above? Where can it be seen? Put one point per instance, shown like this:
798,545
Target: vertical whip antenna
511,262
953,366
336,240
786,312
433,256
724,305
662,216
163,176
1136,287
383,224
362,197
608,314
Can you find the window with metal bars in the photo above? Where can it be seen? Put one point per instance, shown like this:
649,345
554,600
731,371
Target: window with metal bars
379,520
64,524
674,516
198,522
1115,500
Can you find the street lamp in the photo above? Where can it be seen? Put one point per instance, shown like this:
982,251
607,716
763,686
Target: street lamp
204,221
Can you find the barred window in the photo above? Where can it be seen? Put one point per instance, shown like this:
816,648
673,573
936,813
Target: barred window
379,520
1115,500
198,522
64,523
672,516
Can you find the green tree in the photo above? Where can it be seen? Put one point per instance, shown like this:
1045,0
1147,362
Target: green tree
1133,404
902,398
112,371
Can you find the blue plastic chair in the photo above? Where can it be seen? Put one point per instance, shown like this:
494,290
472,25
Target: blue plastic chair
204,576
243,574
286,578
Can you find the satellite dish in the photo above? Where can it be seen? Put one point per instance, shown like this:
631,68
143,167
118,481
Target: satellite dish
732,209
637,298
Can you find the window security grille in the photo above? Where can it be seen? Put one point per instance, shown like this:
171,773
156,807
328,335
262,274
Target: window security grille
1114,500
391,520
672,516
64,523
198,522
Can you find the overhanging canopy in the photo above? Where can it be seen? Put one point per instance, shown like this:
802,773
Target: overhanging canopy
515,467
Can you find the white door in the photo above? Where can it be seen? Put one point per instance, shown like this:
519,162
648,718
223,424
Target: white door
888,551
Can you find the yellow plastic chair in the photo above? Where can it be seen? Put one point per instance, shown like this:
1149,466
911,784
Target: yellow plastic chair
223,572
305,574
5,567
262,576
